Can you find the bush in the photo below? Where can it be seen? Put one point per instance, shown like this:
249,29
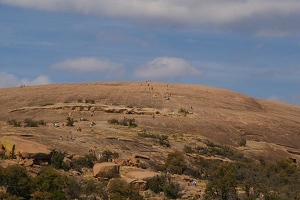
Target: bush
124,122
163,183
70,121
14,123
163,140
119,189
171,190
87,161
30,123
108,155
113,121
159,139
146,135
188,149
243,142
175,163
156,184
57,160
91,101
183,111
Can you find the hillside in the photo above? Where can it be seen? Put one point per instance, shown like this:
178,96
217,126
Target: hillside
271,129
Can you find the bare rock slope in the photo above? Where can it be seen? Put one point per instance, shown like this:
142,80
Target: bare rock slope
188,114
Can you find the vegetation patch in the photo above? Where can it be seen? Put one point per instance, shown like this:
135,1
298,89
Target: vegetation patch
165,184
162,140
14,123
130,122
183,111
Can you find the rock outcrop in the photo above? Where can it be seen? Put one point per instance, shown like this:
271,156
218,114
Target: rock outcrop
26,149
105,170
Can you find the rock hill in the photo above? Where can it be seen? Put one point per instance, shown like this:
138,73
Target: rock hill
189,115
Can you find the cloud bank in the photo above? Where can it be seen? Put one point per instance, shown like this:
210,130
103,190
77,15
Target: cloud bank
89,65
267,17
9,80
165,68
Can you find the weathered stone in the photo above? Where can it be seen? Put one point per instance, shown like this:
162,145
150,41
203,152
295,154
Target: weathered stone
140,185
68,162
26,148
28,162
105,170
141,175
8,145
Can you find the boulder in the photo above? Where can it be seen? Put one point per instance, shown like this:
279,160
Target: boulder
26,149
105,170
141,175
68,162
7,144
140,185
28,162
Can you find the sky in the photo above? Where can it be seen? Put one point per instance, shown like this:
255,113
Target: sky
248,46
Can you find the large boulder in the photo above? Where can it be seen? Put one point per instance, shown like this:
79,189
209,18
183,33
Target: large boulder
26,149
105,170
141,175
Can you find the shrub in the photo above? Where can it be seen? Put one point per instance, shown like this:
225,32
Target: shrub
119,189
159,139
183,111
171,190
108,155
57,160
163,183
113,121
124,122
175,163
87,161
30,123
243,142
91,101
14,123
163,140
70,121
146,135
42,122
188,149
156,184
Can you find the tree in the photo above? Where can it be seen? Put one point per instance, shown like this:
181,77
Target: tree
94,189
223,184
119,189
175,163
16,180
108,155
49,184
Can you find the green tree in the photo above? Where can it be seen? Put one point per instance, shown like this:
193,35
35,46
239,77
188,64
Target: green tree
93,189
175,163
57,160
108,155
49,184
223,184
119,189
16,180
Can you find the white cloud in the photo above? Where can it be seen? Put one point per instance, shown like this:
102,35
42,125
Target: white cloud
9,80
89,65
267,17
40,80
166,67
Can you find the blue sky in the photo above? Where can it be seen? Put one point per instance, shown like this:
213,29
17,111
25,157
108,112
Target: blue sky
249,46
